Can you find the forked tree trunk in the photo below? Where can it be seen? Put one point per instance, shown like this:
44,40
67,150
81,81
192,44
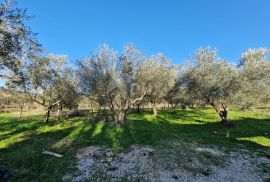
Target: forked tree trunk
223,114
119,116
48,113
174,107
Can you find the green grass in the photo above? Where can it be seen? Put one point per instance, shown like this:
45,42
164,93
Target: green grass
22,141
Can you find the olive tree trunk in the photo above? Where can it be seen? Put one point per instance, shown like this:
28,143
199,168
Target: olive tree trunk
119,116
174,107
59,111
222,112
154,109
21,110
224,116
138,108
183,107
48,113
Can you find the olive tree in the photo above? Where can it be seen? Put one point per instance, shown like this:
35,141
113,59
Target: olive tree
19,99
255,72
67,92
115,80
161,77
129,85
178,96
47,84
95,73
213,81
17,40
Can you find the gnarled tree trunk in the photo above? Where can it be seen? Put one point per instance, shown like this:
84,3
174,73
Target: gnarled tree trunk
222,112
223,115
174,107
119,116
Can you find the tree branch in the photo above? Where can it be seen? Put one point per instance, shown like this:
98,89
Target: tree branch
138,99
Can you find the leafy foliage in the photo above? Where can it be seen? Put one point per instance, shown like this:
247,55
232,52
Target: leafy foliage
17,41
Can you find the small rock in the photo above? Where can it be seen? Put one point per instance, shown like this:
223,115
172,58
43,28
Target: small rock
109,159
211,151
109,154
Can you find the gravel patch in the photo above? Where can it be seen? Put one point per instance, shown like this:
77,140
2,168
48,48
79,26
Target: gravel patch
171,163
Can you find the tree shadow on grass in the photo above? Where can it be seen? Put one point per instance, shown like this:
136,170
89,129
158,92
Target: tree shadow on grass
141,131
197,115
150,132
11,126
27,163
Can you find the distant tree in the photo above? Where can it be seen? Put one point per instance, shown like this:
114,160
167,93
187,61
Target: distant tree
178,96
17,40
213,81
67,92
95,74
161,77
19,99
255,74
48,84
5,99
16,85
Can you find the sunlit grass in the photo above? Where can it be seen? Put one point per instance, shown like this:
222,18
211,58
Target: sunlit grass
16,138
261,140
98,129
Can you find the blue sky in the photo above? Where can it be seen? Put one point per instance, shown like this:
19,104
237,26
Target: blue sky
174,27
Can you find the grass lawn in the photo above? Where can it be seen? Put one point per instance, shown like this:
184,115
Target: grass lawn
22,140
